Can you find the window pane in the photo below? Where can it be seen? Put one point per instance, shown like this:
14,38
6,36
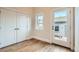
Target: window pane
60,16
60,23
62,13
40,25
39,22
40,17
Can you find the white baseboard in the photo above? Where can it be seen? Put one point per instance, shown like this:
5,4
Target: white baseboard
42,39
28,38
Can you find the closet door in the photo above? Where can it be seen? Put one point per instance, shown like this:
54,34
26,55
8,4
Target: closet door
2,28
8,23
10,27
22,27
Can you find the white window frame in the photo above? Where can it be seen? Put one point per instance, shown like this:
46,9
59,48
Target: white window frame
37,27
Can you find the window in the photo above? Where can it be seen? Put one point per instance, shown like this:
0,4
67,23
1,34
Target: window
39,22
60,23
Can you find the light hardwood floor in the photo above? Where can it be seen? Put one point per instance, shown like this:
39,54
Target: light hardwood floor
34,46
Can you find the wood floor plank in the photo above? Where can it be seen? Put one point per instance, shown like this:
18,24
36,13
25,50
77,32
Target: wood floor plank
34,46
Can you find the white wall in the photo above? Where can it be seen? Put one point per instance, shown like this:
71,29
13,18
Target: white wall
77,29
43,35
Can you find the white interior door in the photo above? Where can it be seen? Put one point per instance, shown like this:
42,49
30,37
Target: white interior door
8,23
22,27
61,27
14,27
2,28
77,29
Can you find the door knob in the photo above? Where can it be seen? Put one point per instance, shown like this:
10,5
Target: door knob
16,29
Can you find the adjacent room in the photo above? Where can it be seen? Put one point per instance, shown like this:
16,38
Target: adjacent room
39,29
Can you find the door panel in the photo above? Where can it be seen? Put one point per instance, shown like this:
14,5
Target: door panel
14,27
8,23
22,25
2,28
61,28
